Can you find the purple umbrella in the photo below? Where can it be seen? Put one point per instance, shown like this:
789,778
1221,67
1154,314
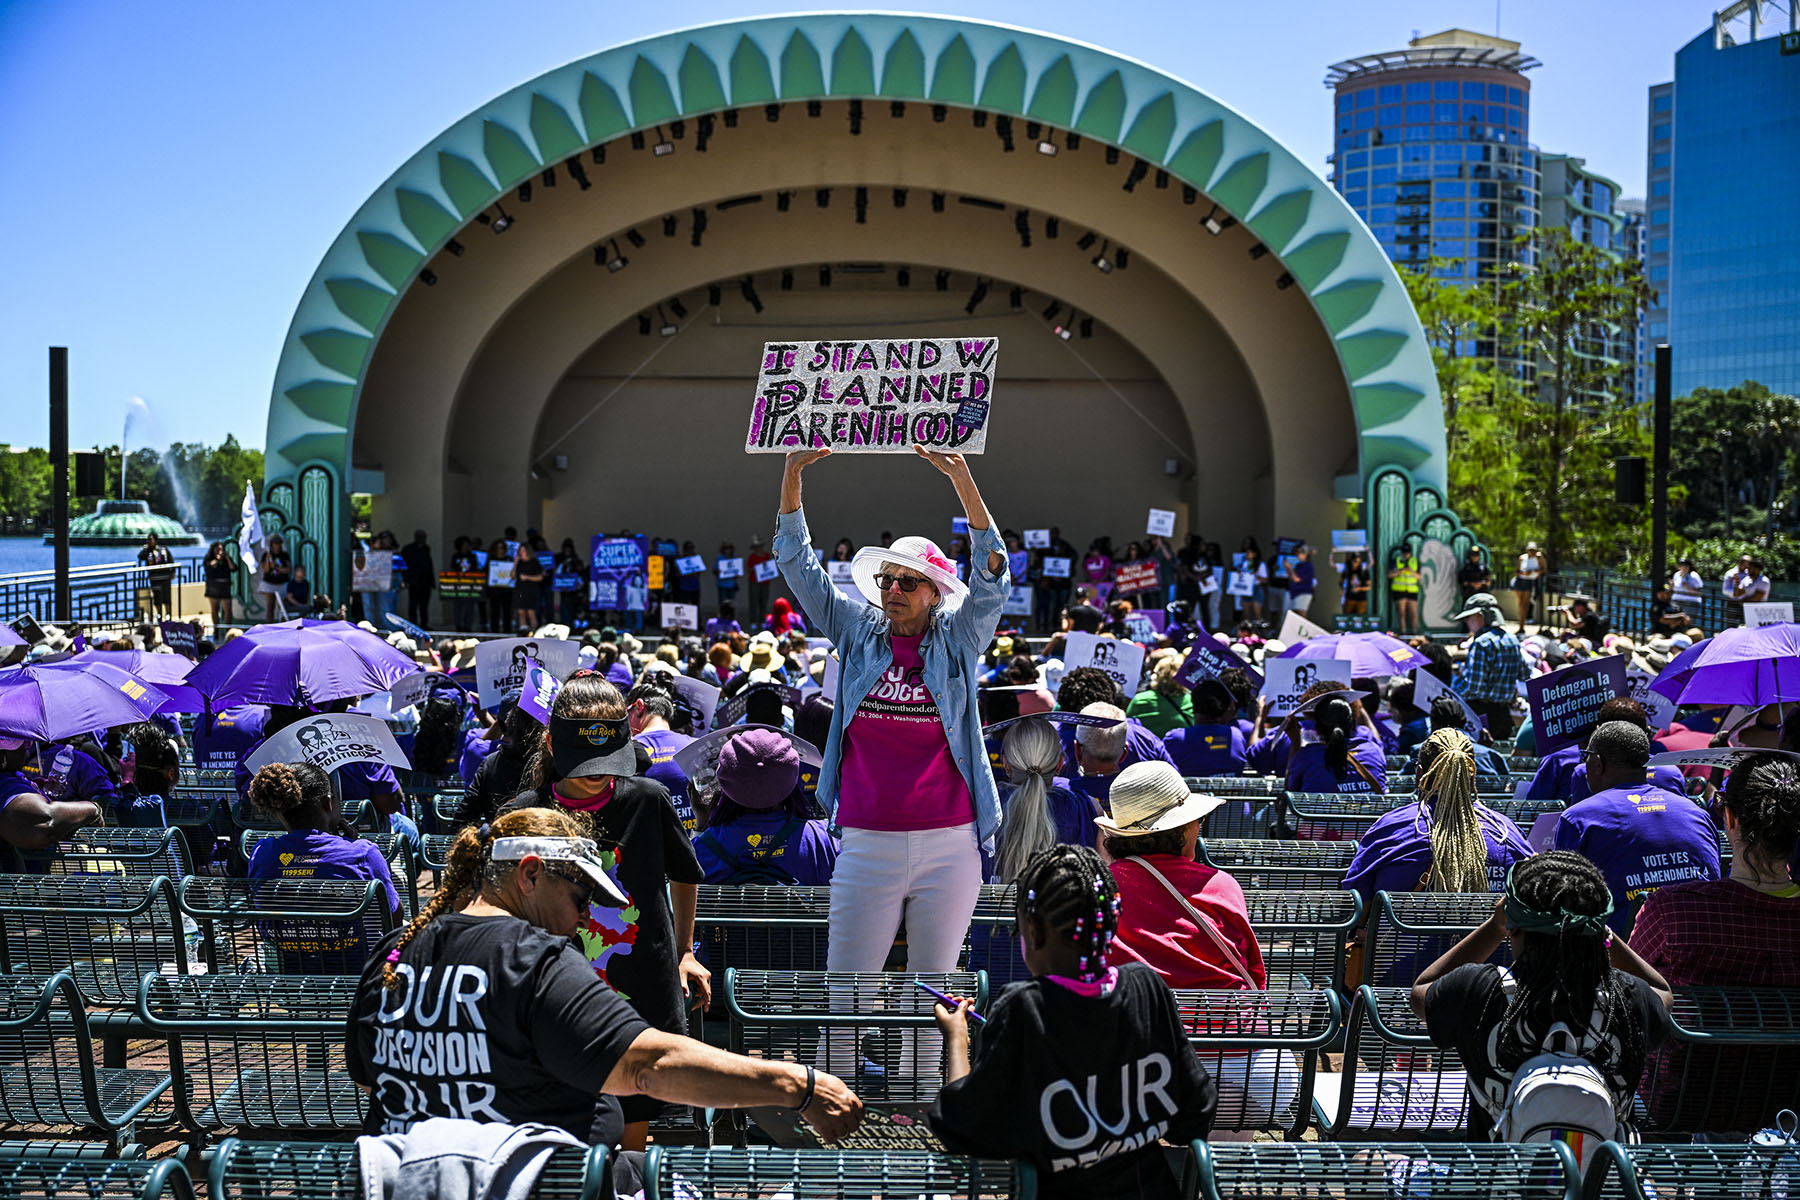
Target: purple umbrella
10,636
168,672
1369,654
47,701
299,662
1736,666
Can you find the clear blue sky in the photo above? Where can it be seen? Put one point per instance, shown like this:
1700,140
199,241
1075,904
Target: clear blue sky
161,226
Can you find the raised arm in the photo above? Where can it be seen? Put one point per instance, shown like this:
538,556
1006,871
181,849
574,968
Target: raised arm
826,608
990,579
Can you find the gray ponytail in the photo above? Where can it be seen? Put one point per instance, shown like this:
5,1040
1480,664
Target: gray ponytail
1033,752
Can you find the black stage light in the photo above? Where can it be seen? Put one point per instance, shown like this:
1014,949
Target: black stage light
667,327
668,223
899,197
714,294
455,247
856,118
1052,227
825,276
1112,156
1284,281
787,279
1022,223
1016,298
731,118
428,277
703,131
643,324
938,113
822,197
678,308
782,200
937,202
502,220
548,178
1087,240
862,206
1133,177
1257,251
1121,258
1051,309
635,238
771,113
525,192
976,296
578,173
903,277
747,289
699,230
637,139
813,108
943,280
1003,127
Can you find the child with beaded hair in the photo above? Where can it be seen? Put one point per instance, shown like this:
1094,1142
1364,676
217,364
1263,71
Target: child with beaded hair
1084,1068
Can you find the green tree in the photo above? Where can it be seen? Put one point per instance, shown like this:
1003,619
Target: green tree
1557,310
1734,460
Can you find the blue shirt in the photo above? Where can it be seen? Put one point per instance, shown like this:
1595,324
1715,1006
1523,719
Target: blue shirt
662,745
1642,837
1141,744
809,854
60,772
313,854
1207,749
951,652
229,736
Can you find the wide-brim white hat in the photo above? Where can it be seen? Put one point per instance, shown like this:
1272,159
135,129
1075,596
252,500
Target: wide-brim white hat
919,553
1149,797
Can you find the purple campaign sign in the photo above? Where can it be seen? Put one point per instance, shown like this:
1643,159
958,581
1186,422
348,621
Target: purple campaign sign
539,693
1207,659
617,574
1565,704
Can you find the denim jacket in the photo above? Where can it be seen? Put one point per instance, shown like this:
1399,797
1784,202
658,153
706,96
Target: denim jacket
951,651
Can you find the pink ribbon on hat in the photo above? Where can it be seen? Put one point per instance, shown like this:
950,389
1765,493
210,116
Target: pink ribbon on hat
937,560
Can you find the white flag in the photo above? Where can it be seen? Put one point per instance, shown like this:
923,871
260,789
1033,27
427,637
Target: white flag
251,535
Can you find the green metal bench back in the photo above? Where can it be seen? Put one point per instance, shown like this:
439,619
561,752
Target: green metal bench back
1303,933
1401,1170
763,928
1395,1083
393,848
253,1170
1659,1172
1262,1049
287,926
33,1175
107,930
1261,864
1411,930
262,1052
1733,1065
107,850
48,1073
687,1173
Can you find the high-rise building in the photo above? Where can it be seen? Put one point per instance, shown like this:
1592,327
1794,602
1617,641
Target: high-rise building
1433,149
1635,237
1587,205
1724,168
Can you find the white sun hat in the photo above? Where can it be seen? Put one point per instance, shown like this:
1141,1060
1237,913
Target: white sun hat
1149,797
919,553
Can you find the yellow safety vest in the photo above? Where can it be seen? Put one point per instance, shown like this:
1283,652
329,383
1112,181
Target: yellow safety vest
1406,575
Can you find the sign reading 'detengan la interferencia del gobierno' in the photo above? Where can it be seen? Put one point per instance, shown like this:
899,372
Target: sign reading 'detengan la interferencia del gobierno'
874,397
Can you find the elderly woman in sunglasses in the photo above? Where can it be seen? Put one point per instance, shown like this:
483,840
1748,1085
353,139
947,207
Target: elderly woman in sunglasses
905,773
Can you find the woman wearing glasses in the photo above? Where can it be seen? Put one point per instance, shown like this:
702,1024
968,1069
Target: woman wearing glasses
905,772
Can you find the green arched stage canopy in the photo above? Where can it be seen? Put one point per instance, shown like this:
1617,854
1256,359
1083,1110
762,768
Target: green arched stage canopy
1352,287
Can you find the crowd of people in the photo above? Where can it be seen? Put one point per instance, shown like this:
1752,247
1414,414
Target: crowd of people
891,738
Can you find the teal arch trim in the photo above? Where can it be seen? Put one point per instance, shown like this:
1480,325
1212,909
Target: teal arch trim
1170,124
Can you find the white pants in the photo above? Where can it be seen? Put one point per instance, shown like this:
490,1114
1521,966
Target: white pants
933,876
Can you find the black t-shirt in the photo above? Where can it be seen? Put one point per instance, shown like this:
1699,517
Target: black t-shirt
1046,1053
644,847
509,1025
496,781
1463,1011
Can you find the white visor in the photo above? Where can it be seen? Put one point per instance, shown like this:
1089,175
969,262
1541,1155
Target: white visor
580,851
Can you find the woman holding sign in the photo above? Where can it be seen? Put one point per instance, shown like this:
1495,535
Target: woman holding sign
905,772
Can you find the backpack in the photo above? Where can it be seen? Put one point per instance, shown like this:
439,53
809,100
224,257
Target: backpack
770,872
1558,1096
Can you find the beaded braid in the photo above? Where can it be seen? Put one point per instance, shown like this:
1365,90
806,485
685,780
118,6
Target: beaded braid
1071,890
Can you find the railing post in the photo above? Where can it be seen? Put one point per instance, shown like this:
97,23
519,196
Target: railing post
64,609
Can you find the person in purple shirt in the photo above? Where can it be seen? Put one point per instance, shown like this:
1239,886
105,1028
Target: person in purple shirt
721,627
1337,761
1640,835
761,830
229,735
1562,775
1213,744
60,772
649,708
373,782
29,819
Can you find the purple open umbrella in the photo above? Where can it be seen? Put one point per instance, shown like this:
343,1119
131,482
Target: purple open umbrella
168,672
47,701
1369,654
1736,666
10,636
299,662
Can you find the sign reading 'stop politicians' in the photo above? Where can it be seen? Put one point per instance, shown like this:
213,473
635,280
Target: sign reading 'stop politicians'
874,397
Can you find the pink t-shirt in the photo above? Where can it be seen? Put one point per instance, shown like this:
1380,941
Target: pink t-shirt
898,773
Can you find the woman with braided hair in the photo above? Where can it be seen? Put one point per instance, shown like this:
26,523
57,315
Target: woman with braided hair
1744,930
489,1013
1568,970
1083,1068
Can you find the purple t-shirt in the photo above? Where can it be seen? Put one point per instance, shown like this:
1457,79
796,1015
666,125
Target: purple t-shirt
1396,851
14,784
1206,749
1562,775
662,745
229,736
61,772
317,855
808,854
476,746
620,676
1642,837
1308,771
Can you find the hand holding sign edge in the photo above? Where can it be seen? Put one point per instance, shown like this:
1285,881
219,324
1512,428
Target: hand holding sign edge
796,462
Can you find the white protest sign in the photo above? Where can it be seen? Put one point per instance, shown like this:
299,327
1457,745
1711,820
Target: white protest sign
693,564
1780,612
1209,585
1018,603
700,695
681,616
1296,628
1122,661
846,582
1161,522
1037,539
1428,687
874,397
409,691
1056,568
500,665
731,568
1241,583
330,740
1284,679
766,570
500,574
1659,710
1542,837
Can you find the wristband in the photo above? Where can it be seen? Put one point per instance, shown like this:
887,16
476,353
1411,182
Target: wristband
811,1080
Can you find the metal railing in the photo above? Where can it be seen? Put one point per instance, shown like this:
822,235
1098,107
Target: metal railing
1625,601
109,592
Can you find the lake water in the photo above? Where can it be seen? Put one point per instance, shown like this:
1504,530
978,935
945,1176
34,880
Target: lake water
18,554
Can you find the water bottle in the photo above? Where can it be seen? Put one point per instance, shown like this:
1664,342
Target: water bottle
1774,1160
1415,1179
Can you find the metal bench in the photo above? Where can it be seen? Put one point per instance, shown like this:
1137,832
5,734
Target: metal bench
1249,801
1409,931
251,1170
105,850
1704,1172
42,1175
48,1073
256,1051
1395,1083
1260,863
394,849
1733,1065
697,1173
1327,816
762,928
1304,935
1262,1048
106,930
1397,1170
434,851
286,926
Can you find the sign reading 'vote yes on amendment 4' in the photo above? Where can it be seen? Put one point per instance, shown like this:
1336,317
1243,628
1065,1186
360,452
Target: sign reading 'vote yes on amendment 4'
874,397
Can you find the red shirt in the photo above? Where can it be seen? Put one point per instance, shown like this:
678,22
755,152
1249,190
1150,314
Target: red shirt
1720,934
1154,928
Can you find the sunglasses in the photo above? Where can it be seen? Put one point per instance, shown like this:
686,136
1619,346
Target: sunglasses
907,583
584,887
